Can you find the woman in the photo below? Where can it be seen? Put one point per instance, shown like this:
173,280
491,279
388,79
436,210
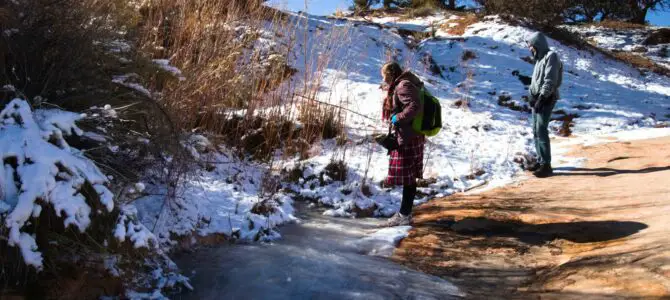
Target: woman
401,105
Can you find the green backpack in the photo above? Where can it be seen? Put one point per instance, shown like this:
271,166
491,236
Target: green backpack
429,121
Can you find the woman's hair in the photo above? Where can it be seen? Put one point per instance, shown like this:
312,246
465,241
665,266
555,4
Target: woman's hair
392,70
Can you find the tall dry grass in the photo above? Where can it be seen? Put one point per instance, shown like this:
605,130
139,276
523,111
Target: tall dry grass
236,58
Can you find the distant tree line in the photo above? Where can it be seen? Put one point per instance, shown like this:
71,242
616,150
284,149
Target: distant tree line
555,11
366,4
561,11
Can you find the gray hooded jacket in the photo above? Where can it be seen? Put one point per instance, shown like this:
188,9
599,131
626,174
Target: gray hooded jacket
548,72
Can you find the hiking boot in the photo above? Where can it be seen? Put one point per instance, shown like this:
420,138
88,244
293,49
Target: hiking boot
544,171
533,167
398,220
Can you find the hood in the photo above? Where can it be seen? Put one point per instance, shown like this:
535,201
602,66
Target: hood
409,76
539,42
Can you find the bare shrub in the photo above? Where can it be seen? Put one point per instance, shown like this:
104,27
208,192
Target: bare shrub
462,24
336,170
468,55
60,50
568,122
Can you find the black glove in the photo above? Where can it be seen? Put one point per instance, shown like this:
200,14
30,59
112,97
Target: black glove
532,101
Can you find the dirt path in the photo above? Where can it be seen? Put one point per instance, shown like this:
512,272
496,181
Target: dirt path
597,232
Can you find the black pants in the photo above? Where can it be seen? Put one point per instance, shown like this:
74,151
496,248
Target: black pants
408,194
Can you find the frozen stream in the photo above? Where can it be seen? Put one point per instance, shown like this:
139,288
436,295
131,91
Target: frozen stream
318,258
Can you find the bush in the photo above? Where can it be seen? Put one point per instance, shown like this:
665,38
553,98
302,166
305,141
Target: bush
420,12
660,36
61,218
60,50
336,170
468,55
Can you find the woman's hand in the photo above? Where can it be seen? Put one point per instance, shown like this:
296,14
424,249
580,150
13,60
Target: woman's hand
394,119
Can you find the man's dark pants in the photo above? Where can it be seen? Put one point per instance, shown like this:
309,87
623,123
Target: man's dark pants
540,123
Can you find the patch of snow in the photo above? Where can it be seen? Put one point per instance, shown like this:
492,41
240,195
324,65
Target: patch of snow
126,80
382,242
118,46
129,228
165,65
111,265
140,187
95,137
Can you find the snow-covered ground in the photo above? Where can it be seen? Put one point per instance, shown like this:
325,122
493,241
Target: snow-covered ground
478,145
219,201
628,40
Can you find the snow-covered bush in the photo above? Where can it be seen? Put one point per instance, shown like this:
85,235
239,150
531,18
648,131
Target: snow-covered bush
56,207
40,169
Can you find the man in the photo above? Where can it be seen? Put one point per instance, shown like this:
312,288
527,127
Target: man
547,78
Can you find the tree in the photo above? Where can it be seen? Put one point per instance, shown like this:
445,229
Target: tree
639,8
547,12
451,4
590,11
362,5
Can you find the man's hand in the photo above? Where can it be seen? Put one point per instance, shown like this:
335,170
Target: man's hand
532,101
540,103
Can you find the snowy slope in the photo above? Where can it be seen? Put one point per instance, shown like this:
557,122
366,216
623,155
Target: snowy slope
477,146
607,96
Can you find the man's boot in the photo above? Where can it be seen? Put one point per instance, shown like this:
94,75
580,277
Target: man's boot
544,171
533,166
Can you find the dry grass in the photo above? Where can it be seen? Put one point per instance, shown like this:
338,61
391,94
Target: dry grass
462,24
641,62
235,57
618,25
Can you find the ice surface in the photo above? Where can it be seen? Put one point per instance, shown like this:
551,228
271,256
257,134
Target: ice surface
317,258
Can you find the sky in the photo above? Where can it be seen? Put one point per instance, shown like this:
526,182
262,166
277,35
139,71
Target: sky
327,7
